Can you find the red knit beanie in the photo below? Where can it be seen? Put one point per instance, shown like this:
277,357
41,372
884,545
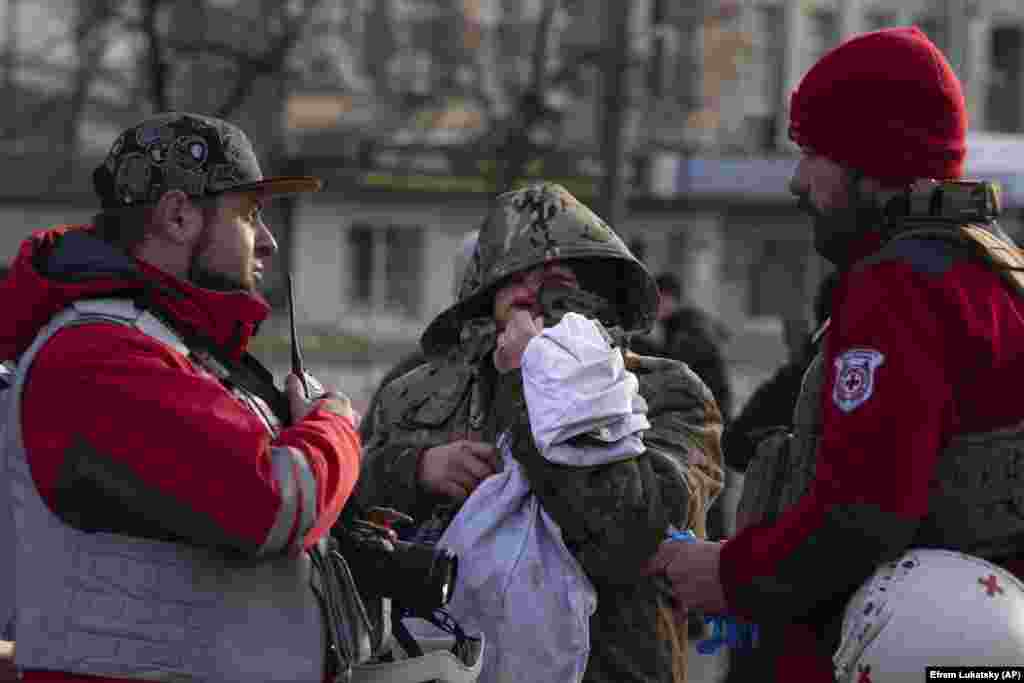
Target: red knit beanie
886,103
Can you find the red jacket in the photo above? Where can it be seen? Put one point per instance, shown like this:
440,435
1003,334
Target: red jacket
951,336
145,406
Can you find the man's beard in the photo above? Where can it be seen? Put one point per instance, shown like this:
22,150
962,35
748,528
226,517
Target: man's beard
836,231
205,278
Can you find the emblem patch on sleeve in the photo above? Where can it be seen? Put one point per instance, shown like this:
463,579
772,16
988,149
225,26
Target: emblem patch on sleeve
855,377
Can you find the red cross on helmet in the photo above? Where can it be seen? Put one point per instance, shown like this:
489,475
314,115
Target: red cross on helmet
931,608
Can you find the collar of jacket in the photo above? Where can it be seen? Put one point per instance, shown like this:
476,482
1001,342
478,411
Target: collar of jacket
55,267
868,244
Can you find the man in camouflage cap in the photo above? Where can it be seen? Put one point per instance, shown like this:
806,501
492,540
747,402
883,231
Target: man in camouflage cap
198,155
135,407
433,440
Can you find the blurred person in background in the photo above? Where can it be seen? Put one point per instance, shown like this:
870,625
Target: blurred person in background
686,333
166,496
771,405
908,428
769,411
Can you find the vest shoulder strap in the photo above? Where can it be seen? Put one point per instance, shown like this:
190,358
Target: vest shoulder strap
935,249
122,312
928,251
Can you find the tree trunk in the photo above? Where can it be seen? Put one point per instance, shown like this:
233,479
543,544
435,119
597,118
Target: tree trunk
615,96
156,64
517,147
90,44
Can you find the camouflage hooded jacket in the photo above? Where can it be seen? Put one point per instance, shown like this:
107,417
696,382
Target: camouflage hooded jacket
613,517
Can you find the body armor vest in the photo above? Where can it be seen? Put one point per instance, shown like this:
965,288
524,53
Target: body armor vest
104,604
977,505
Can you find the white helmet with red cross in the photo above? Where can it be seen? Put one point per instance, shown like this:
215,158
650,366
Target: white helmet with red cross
931,608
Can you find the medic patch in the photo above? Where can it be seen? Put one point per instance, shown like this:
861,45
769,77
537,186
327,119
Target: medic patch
855,377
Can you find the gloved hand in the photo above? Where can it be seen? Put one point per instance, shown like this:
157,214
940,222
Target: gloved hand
8,674
513,340
455,469
301,406
726,631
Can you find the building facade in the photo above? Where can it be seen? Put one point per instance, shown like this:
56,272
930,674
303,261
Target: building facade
407,107
706,129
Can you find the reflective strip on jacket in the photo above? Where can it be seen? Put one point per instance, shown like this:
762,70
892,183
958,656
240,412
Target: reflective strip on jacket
104,604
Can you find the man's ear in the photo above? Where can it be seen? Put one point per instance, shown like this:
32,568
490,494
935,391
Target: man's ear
177,219
865,188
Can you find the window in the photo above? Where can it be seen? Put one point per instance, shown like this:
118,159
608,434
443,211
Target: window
361,266
1003,99
386,266
822,34
762,78
763,73
522,10
662,48
404,266
673,66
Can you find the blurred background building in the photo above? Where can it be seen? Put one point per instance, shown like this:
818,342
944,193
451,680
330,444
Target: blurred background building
668,117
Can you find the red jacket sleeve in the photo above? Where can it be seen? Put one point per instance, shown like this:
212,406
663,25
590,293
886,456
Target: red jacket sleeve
124,435
890,350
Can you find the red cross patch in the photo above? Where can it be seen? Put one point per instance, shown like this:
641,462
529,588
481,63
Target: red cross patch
855,377
991,584
864,674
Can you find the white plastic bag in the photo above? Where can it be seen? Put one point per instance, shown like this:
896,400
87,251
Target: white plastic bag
519,585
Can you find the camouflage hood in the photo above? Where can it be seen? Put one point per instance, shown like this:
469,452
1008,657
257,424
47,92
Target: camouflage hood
537,225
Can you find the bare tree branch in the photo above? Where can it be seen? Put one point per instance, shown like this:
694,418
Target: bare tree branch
54,97
515,150
214,48
34,118
90,42
155,55
615,92
272,60
90,45
570,70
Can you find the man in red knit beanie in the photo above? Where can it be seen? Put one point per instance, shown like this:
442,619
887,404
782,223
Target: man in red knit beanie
908,432
885,106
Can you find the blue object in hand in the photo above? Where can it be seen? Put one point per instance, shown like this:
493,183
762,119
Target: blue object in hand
684,536
725,631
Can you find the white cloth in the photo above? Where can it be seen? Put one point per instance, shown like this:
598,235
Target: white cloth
518,584
575,384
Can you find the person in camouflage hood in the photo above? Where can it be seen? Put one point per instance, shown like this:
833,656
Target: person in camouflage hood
433,437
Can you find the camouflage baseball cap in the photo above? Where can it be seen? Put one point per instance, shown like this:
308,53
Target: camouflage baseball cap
199,155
